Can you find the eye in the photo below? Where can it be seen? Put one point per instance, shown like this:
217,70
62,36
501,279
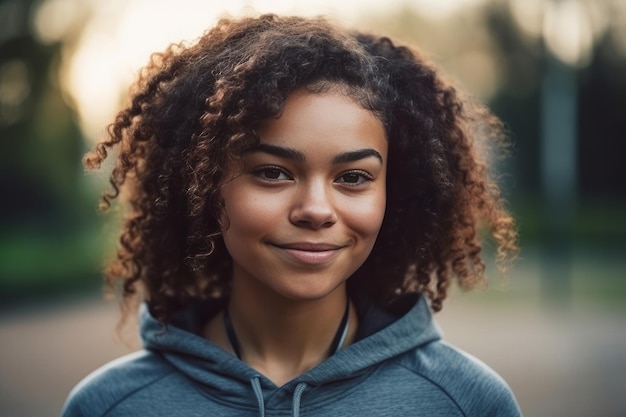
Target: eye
354,178
271,174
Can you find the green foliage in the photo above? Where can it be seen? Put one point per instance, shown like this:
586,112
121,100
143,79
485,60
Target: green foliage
33,263
49,238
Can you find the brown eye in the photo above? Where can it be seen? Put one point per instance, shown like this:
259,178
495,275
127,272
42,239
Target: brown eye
351,178
271,174
354,178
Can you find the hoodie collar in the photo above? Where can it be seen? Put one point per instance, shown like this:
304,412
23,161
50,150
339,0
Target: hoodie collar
381,337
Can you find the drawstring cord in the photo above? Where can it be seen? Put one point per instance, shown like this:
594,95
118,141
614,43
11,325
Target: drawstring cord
258,391
297,395
255,381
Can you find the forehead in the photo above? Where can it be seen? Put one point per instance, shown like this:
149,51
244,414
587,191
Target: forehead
320,122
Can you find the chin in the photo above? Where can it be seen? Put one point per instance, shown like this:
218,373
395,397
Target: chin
310,291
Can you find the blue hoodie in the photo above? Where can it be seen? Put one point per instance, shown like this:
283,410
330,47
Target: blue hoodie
398,367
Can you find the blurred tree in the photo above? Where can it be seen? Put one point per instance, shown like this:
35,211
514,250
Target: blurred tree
41,145
601,106
45,203
517,102
602,123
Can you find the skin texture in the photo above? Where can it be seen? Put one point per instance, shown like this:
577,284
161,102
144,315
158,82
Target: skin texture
316,212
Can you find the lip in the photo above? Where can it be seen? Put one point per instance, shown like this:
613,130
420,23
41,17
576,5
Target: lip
310,253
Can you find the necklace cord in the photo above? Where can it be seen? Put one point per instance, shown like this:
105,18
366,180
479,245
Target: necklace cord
338,340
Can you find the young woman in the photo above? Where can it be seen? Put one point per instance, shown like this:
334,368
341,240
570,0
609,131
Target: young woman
298,199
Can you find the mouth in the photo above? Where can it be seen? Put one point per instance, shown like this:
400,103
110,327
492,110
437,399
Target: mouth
309,246
309,252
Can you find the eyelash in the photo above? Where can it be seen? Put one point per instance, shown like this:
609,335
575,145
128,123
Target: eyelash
259,173
363,177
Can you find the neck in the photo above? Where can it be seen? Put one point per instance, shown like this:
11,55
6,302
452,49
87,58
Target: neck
294,330
284,338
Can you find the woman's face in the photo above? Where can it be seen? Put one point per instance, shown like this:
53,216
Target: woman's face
303,209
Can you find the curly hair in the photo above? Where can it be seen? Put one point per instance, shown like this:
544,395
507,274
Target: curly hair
195,108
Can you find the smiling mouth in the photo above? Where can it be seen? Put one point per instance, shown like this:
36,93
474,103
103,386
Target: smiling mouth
310,253
309,246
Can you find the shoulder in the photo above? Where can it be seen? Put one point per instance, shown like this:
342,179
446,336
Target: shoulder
109,385
475,388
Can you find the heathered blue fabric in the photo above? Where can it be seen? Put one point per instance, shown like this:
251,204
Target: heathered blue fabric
401,368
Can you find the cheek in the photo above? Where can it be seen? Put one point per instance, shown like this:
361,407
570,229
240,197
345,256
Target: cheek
246,214
366,217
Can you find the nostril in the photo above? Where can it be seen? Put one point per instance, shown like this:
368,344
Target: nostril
314,206
315,219
312,222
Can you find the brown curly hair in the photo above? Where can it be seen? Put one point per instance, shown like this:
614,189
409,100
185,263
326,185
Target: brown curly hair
195,108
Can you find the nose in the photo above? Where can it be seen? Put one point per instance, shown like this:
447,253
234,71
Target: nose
313,206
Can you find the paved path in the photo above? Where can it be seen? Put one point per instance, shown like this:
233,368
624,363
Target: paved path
558,363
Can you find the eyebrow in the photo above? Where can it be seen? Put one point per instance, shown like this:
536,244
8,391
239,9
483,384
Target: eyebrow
357,155
279,151
288,153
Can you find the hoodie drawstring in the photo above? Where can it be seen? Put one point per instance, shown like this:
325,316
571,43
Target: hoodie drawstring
297,395
258,391
255,381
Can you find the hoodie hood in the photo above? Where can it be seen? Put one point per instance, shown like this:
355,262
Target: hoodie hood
381,337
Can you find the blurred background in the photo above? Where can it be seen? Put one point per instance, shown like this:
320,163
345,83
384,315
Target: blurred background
553,70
